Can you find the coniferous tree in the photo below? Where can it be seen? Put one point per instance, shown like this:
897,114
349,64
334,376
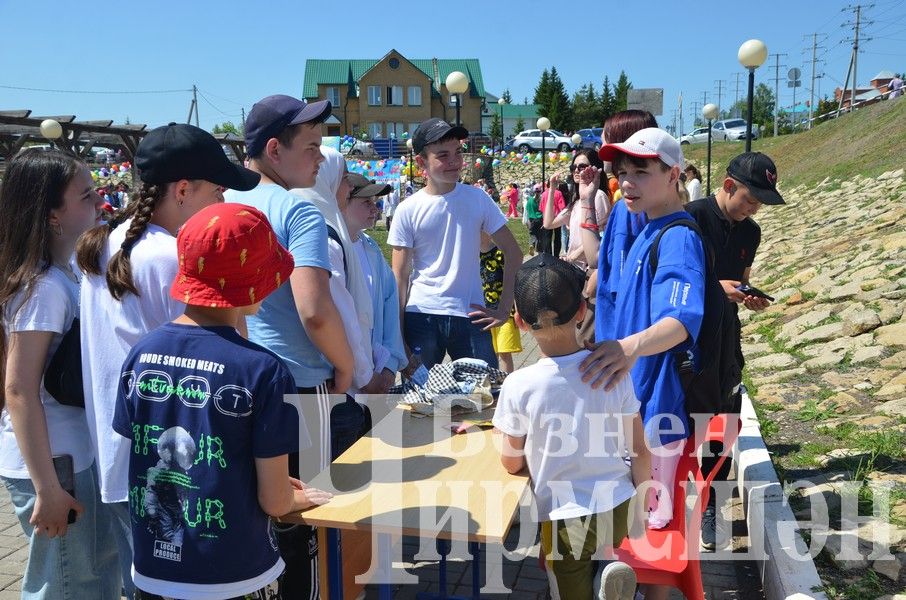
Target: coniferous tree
621,92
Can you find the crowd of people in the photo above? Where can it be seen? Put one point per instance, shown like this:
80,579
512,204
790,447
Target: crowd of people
168,372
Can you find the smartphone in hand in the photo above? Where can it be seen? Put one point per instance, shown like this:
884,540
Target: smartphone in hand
748,290
66,475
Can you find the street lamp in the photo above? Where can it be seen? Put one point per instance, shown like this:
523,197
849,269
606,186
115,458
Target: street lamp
751,55
52,130
409,145
457,83
577,140
500,102
710,112
543,124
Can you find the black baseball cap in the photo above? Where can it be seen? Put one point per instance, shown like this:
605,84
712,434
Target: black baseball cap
546,283
182,151
269,116
757,172
433,130
363,187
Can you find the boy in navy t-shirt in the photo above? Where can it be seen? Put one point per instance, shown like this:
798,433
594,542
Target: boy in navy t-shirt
210,431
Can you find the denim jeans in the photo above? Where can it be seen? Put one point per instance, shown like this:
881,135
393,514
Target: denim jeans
438,335
80,564
121,523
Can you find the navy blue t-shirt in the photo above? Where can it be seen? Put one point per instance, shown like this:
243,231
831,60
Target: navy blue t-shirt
676,289
200,404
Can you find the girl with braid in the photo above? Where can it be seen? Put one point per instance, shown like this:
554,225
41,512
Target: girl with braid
129,265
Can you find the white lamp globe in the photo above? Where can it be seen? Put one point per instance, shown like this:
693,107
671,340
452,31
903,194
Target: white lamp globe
51,129
752,54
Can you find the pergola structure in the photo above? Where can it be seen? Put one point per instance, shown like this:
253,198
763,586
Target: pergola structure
18,127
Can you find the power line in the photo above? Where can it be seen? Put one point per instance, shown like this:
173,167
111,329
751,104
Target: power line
33,89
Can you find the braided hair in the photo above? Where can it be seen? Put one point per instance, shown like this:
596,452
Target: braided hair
119,269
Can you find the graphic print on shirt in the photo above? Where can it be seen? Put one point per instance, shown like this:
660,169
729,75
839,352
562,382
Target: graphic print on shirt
166,491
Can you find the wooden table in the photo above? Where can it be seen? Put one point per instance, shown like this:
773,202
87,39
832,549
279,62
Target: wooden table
413,476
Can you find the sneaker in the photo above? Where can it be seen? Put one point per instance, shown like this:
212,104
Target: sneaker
618,582
709,528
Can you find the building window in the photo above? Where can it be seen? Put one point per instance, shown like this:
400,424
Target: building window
374,95
412,128
375,131
394,63
396,130
415,95
394,95
333,94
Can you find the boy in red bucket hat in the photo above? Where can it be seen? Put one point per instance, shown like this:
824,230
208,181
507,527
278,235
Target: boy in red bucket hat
210,431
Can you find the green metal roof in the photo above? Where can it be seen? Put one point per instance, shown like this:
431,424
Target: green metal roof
349,71
525,111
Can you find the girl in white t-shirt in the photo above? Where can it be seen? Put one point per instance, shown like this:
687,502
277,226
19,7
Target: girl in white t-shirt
47,201
129,266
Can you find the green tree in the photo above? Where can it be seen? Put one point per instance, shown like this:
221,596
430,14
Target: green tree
560,110
543,93
506,96
762,107
519,126
496,131
586,108
606,100
621,92
227,127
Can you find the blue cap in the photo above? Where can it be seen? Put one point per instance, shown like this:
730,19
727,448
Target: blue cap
269,116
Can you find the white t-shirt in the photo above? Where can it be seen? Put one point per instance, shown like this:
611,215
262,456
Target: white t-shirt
576,216
51,306
109,330
444,234
694,187
575,444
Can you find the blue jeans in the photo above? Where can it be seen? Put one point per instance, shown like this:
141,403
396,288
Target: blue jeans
121,523
80,564
438,335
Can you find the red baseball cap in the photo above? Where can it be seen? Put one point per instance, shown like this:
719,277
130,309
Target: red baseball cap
229,257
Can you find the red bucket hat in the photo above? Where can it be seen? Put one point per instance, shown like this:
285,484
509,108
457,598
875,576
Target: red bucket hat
229,257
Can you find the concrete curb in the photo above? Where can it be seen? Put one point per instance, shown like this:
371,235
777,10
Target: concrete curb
788,573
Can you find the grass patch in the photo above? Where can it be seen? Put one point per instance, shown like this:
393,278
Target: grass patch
808,454
520,232
841,432
811,411
868,587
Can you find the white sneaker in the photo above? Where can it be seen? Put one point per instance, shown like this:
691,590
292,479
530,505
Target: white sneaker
618,582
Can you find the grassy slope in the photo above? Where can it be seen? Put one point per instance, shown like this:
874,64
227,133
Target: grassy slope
519,232
867,142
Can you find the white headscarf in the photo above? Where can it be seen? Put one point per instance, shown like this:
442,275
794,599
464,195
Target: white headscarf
324,196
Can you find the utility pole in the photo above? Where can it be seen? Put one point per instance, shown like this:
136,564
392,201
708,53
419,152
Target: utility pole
195,102
679,111
736,102
811,103
720,89
777,66
695,112
854,59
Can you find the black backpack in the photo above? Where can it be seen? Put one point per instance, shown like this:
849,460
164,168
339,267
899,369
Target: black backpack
709,388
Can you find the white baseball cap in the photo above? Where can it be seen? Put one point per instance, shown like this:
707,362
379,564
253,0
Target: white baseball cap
651,142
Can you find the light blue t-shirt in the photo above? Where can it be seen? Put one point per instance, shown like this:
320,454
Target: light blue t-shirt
623,227
676,289
300,228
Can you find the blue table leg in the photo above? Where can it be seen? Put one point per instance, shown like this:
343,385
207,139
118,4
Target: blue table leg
384,550
475,551
334,565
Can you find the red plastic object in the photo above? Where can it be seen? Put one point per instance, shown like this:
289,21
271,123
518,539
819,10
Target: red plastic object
670,556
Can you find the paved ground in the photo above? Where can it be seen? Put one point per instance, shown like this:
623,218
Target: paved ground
723,579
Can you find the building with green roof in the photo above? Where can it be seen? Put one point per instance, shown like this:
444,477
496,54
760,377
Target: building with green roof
392,95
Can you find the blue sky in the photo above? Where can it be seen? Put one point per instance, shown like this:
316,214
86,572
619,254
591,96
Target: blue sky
237,52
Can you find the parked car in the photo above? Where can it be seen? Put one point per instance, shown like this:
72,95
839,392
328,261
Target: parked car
591,138
477,139
358,148
731,129
530,140
698,136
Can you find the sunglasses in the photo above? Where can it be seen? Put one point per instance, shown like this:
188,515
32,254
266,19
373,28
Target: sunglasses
578,167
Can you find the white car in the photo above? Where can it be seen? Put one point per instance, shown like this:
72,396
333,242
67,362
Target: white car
530,140
731,129
358,148
698,136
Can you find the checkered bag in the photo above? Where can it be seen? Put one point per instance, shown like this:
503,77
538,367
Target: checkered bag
464,383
